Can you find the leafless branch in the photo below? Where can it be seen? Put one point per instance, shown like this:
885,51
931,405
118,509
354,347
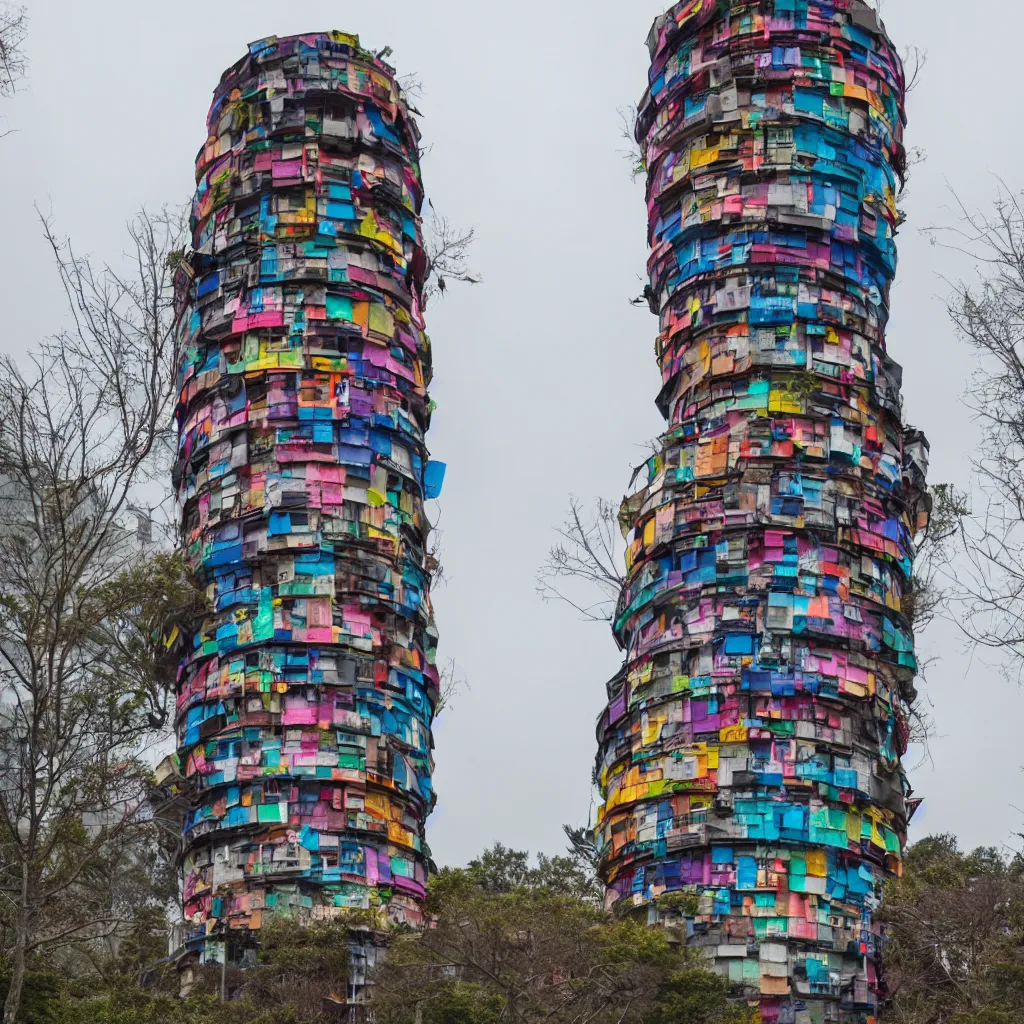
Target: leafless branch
447,251
13,63
914,61
633,153
583,568
453,682
988,315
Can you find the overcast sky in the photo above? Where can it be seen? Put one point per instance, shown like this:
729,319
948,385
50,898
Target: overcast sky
544,375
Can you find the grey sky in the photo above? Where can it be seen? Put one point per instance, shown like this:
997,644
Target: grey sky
544,375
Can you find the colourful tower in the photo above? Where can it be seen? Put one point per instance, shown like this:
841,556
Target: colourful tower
750,753
305,703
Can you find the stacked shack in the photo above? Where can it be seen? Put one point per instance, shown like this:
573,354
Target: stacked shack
750,753
306,697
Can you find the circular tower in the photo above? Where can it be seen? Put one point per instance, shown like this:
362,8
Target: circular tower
750,753
306,700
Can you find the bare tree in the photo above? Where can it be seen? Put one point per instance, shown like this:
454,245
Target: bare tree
84,678
929,590
412,88
988,314
914,60
447,251
583,569
633,153
13,29
452,683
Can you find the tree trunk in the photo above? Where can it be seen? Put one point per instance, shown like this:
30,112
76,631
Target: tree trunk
13,1001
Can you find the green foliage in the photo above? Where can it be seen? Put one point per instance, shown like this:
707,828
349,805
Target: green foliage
87,672
457,1002
511,941
289,946
956,926
40,996
300,966
500,869
698,997
683,903
300,971
139,610
131,1004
